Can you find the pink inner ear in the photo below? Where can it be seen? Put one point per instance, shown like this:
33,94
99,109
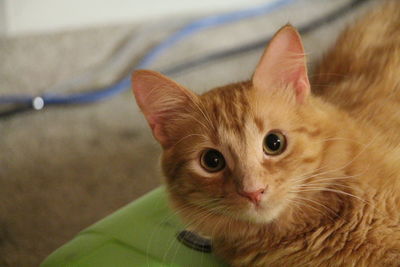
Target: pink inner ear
157,129
161,100
283,63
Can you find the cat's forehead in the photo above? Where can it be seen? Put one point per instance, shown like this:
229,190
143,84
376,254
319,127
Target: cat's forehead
238,105
231,107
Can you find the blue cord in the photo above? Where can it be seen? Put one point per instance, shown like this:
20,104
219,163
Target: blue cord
124,84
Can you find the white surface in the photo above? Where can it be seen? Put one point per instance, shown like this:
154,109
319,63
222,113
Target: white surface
33,16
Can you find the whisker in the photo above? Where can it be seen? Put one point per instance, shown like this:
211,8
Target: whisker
322,184
307,205
326,178
317,203
330,190
305,177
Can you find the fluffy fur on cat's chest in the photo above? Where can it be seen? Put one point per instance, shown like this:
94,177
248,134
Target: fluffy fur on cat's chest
362,237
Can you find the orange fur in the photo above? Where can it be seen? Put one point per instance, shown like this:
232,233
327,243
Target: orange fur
334,194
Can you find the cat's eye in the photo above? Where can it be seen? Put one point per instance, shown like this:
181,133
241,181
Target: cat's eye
274,143
212,160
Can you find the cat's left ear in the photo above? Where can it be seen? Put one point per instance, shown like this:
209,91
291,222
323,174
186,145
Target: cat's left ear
283,64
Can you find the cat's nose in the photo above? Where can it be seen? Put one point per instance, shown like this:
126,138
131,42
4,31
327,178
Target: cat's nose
254,196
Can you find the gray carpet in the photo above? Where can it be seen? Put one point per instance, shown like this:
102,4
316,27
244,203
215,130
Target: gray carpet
62,169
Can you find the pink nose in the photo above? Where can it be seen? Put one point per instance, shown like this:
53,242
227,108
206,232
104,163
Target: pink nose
254,196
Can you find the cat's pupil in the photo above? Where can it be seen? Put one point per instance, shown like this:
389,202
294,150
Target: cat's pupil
212,160
273,142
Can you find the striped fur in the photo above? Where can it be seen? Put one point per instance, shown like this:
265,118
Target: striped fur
333,195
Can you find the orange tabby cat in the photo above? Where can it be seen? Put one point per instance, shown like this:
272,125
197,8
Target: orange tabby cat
279,176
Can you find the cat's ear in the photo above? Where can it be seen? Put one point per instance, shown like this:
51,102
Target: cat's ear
162,102
283,64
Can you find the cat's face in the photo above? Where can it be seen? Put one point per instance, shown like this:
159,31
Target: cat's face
242,153
241,150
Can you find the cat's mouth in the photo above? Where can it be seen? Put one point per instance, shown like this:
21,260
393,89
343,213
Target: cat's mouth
259,208
263,212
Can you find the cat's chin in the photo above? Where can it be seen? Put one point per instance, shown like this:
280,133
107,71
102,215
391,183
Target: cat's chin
261,214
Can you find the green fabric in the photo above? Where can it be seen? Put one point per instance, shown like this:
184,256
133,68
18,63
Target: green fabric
142,233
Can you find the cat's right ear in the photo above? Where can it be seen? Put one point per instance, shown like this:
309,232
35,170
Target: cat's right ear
162,102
